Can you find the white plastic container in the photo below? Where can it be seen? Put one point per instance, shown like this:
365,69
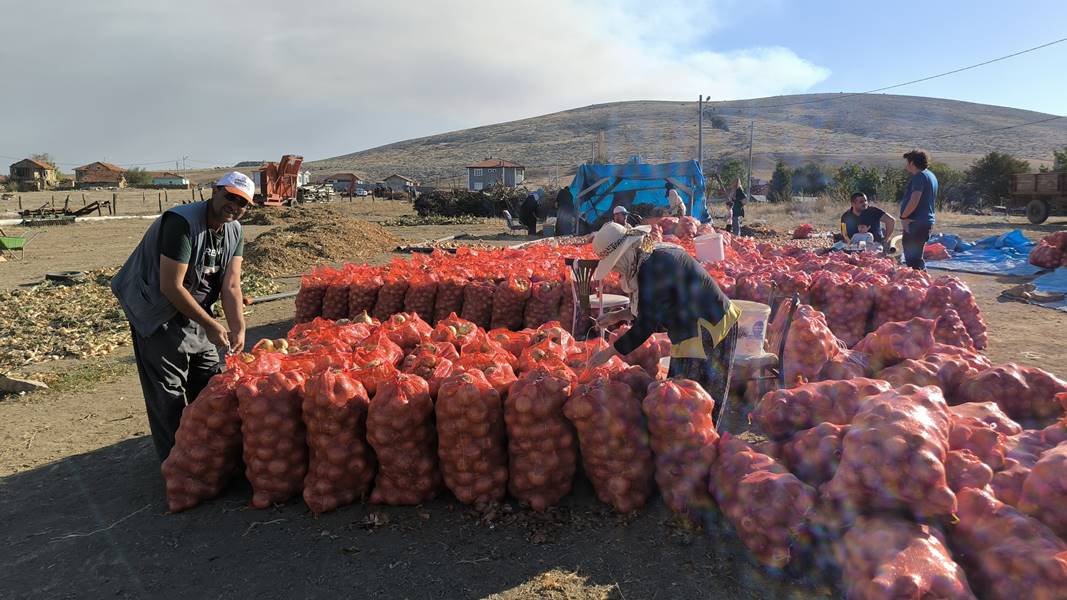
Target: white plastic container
751,328
709,248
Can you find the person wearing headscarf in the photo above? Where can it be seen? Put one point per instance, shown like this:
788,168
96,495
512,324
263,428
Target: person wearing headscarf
675,206
669,291
565,212
736,203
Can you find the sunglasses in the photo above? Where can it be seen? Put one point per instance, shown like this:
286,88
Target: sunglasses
238,200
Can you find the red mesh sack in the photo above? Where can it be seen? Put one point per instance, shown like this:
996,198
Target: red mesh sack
400,428
543,305
495,367
567,307
894,455
335,299
848,364
454,330
1007,554
962,300
613,439
950,330
480,343
813,454
979,438
768,506
478,303
391,296
512,341
809,344
541,441
419,299
889,558
897,301
756,287
1045,488
897,341
963,469
1022,392
374,366
509,303
1046,256
988,413
471,442
309,297
546,350
377,346
1022,451
428,365
781,413
207,446
803,231
441,349
363,294
406,330
273,435
341,464
684,442
848,305
551,331
936,251
449,298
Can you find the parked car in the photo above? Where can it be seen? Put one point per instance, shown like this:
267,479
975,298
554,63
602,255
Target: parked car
362,192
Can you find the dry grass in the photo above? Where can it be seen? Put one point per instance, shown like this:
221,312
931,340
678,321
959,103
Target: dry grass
557,585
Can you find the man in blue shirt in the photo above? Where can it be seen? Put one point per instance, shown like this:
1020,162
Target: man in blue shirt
917,208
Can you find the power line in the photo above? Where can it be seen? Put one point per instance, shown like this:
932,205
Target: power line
898,85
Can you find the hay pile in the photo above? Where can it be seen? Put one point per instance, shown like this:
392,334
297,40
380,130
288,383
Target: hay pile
279,215
320,236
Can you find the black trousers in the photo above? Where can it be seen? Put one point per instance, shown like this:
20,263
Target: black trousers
174,365
913,243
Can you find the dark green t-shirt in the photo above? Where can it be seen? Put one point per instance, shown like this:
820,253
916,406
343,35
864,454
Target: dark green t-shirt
176,243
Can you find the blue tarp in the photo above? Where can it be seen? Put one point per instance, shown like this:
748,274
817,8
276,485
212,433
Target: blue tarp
1004,254
1053,283
636,183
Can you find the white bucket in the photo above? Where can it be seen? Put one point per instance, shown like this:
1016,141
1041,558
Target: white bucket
751,328
709,248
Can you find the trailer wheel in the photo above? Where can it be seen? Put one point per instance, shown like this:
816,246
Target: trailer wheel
1037,211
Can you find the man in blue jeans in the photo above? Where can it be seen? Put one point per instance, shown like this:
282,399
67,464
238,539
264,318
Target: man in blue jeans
917,208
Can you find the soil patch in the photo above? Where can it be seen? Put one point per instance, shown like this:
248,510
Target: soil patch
323,236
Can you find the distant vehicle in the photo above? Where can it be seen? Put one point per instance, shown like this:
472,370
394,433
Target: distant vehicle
1043,194
362,192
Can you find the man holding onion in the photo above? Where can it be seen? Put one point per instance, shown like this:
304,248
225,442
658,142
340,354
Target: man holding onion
188,259
669,290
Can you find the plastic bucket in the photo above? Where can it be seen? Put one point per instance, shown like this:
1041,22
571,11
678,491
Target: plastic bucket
709,248
751,328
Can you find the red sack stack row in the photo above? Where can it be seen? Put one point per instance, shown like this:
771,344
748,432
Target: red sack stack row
471,439
400,428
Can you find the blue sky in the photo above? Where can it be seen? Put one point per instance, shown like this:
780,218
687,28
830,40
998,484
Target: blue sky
867,45
140,83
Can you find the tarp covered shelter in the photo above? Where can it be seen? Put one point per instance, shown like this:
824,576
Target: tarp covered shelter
598,188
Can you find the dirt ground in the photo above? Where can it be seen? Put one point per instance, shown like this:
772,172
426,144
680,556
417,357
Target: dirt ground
82,510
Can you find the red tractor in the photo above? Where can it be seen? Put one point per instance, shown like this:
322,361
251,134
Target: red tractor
277,183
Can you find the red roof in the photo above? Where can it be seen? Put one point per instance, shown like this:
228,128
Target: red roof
166,176
495,163
99,177
3,178
36,163
106,166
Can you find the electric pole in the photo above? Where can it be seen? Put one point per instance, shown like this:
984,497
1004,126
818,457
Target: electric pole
751,133
700,131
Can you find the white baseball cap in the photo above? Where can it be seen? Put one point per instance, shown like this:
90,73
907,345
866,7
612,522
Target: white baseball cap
620,210
238,183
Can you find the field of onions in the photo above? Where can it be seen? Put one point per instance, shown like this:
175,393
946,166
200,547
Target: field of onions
898,462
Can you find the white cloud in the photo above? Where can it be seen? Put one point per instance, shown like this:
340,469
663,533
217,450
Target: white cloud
134,80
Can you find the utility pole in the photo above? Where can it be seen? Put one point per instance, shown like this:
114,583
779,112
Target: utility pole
700,131
751,133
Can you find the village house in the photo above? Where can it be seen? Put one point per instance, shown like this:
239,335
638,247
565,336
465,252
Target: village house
494,171
346,182
99,175
399,183
31,175
169,180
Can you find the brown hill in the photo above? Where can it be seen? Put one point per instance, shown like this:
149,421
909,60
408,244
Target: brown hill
826,128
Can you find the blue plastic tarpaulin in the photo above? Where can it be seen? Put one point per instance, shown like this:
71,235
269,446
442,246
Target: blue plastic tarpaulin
1053,283
597,188
1004,254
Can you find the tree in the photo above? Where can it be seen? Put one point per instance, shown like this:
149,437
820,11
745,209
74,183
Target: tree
781,186
137,177
1060,160
731,171
718,122
951,185
990,176
851,178
810,179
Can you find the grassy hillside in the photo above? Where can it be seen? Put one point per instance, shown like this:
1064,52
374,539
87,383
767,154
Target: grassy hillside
826,128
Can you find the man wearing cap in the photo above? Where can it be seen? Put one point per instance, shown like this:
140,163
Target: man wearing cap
620,215
669,291
189,258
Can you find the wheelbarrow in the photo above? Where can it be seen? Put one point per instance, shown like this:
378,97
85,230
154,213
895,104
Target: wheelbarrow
9,245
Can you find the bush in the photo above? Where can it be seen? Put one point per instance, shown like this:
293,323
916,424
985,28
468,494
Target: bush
486,203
